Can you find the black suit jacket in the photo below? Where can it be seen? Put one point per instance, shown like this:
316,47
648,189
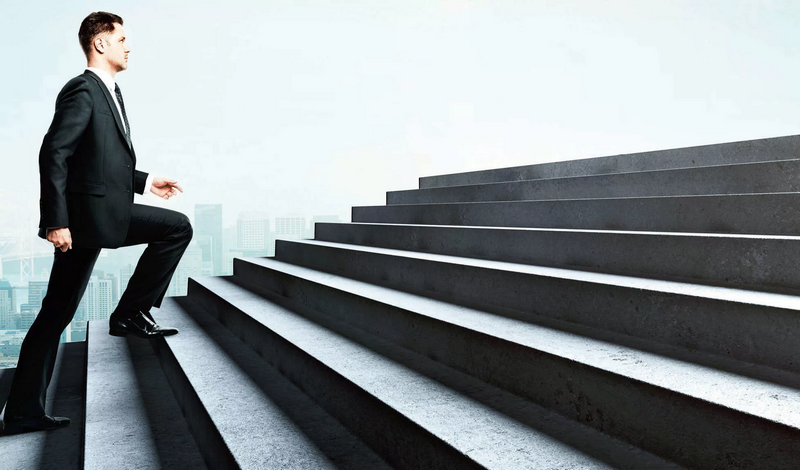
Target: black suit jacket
87,170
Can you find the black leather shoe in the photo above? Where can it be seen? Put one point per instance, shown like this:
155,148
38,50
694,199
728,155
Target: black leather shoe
139,325
19,424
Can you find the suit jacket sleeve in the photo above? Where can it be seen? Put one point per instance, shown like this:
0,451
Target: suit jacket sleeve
72,116
139,180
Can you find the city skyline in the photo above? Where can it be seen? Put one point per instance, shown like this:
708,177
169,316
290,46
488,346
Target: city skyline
20,301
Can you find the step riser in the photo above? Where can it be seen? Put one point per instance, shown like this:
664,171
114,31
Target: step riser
745,332
779,148
762,264
642,414
407,445
770,177
216,453
766,214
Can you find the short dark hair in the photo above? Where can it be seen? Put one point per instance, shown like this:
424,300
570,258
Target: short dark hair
97,22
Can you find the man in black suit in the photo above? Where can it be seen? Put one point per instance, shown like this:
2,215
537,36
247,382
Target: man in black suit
88,175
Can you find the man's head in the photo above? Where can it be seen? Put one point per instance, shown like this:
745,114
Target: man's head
103,41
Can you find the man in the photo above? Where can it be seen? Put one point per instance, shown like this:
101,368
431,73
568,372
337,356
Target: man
88,174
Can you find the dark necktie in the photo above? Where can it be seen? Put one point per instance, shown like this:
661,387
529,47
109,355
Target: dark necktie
124,116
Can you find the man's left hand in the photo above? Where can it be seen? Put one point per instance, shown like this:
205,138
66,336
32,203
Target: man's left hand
165,187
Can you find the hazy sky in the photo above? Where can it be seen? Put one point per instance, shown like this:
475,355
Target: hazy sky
317,106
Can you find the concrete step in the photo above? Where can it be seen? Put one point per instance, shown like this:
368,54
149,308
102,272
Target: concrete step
760,150
764,214
754,327
700,415
757,262
243,412
414,411
59,449
743,178
132,417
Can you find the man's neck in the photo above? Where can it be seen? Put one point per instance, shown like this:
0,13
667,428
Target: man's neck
104,67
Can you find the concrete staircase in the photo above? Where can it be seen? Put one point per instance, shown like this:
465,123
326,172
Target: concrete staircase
634,311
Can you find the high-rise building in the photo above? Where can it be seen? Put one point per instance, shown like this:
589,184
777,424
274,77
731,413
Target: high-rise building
252,233
290,226
97,300
36,292
208,231
125,276
28,314
7,320
114,288
206,246
191,265
105,298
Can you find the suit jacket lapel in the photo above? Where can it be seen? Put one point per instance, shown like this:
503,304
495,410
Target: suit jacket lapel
111,103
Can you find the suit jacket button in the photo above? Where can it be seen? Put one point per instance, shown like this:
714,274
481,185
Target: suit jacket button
127,190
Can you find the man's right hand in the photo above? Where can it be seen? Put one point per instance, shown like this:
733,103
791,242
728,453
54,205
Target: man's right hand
60,238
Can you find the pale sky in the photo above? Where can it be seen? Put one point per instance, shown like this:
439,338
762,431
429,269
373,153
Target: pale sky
316,106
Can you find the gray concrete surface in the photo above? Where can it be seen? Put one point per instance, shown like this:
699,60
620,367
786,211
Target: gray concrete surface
607,385
60,448
743,178
743,261
132,418
401,382
764,214
755,327
243,412
776,148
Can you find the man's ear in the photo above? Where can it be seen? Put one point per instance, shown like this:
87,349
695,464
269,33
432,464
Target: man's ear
99,44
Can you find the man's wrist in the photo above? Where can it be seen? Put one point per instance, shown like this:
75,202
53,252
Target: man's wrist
148,182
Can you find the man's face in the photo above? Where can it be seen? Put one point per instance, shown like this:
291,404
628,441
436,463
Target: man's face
116,48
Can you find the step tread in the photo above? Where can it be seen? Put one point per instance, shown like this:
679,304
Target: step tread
487,436
591,199
245,397
125,391
577,230
760,398
767,299
637,172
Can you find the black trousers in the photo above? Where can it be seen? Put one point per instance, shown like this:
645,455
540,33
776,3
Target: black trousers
167,234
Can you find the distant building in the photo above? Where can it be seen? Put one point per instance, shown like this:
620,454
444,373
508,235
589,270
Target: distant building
191,265
290,226
208,232
28,314
114,288
7,320
36,292
97,302
125,276
252,230
205,243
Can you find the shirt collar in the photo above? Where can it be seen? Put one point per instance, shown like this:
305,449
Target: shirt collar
107,79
